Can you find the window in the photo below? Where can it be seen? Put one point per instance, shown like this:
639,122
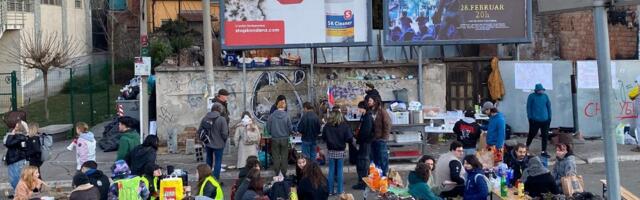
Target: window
20,5
78,4
51,2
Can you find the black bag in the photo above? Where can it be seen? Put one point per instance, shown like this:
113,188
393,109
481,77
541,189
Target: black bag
110,137
205,128
353,154
280,190
293,156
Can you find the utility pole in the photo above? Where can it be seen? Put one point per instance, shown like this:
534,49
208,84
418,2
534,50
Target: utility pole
208,49
37,16
144,52
65,32
604,78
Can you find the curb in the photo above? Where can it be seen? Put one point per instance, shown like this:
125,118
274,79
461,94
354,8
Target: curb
621,158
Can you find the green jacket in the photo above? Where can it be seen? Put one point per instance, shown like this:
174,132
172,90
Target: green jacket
128,141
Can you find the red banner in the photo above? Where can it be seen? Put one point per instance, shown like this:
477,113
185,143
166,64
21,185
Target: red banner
245,33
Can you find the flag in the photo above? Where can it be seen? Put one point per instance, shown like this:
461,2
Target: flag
330,97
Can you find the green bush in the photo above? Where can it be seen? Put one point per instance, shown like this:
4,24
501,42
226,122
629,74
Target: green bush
160,50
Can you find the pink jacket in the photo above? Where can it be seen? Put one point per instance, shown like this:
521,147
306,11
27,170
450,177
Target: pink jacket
85,149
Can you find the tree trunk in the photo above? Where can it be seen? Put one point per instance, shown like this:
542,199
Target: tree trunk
112,49
45,79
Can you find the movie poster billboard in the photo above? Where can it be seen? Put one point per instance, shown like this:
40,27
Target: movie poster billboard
437,22
294,23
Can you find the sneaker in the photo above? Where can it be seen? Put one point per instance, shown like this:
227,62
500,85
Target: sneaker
223,170
358,186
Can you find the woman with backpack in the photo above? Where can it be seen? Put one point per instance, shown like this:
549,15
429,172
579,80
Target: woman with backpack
476,186
15,159
247,138
33,150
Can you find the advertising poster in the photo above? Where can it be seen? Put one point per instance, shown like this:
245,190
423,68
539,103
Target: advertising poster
411,22
294,23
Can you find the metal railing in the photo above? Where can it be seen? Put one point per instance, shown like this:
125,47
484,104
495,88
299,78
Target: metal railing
3,16
15,15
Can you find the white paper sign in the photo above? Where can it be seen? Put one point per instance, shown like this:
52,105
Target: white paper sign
527,75
588,75
142,66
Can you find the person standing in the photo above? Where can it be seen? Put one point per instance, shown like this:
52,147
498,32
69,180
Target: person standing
15,158
247,138
381,130
565,164
495,131
129,138
214,132
152,176
476,187
539,115
309,127
34,147
363,139
142,155
337,135
468,132
222,98
537,179
450,173
279,126
83,190
280,98
85,145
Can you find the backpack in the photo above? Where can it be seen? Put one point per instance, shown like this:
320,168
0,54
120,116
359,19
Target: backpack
486,181
251,137
128,189
205,130
46,143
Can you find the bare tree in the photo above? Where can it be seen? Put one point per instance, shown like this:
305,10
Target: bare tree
44,53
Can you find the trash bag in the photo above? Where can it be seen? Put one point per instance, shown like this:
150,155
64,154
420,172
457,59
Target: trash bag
110,137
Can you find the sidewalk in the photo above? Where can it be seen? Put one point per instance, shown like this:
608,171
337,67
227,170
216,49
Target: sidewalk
60,169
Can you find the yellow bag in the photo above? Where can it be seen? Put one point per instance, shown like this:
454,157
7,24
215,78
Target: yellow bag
634,92
171,188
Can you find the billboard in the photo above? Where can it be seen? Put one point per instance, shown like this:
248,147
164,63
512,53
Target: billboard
439,22
250,24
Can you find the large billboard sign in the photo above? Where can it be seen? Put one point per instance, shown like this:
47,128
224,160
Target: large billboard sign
295,23
438,22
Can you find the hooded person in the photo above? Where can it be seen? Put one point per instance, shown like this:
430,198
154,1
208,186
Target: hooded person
85,145
143,155
129,138
97,178
537,179
214,131
539,115
468,132
83,189
125,185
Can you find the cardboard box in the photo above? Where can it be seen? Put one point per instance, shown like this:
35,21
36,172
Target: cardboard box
399,117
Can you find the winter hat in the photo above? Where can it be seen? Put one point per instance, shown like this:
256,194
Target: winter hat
539,87
80,179
120,168
487,106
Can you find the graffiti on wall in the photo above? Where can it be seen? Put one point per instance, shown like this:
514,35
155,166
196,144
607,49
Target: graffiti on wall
269,85
624,107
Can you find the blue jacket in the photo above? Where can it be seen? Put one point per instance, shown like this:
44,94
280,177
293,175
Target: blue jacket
539,107
476,186
419,189
496,130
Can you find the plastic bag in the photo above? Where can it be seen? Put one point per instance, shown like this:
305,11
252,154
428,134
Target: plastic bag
572,184
620,133
634,92
171,188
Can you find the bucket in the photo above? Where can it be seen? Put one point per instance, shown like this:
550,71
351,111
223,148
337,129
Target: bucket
416,117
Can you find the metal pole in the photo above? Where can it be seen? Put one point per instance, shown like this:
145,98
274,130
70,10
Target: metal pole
144,95
65,32
420,76
311,90
73,113
604,78
91,96
208,49
14,91
37,13
244,84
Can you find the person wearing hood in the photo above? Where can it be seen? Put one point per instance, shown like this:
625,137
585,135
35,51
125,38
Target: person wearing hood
123,180
279,126
476,186
247,138
518,160
129,138
151,178
418,187
565,163
495,131
215,131
97,178
468,132
85,145
142,155
274,107
15,158
222,98
539,115
537,179
309,127
83,190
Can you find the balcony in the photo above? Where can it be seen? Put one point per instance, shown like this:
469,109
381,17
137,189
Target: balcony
12,14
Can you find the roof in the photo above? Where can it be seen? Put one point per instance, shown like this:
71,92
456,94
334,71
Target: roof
194,16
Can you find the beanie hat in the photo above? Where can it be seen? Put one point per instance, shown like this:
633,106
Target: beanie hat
120,168
487,106
80,179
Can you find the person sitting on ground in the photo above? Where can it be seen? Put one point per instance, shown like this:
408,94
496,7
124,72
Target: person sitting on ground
476,187
97,178
517,159
537,179
565,164
252,162
129,138
29,182
495,131
449,172
208,186
245,183
125,185
142,155
83,189
418,187
255,189
468,132
431,163
313,185
301,162
151,178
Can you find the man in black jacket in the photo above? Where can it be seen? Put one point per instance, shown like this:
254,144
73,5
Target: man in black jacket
222,98
517,159
468,132
309,127
364,137
97,178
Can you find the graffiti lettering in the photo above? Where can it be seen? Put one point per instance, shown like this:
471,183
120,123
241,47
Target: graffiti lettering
627,111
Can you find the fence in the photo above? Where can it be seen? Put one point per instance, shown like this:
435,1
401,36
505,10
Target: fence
8,91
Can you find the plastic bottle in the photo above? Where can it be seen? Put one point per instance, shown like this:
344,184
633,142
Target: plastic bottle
503,186
340,21
521,191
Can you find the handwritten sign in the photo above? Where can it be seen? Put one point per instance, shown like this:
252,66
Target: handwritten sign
142,66
588,75
527,75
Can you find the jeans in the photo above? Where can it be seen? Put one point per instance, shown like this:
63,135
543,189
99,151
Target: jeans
534,126
380,155
218,165
363,161
471,151
15,170
309,150
280,154
335,169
